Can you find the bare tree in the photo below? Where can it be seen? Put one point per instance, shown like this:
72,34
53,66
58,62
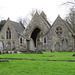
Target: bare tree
23,21
34,11
70,2
71,15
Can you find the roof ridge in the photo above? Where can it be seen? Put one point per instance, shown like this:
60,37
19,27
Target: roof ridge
69,27
46,22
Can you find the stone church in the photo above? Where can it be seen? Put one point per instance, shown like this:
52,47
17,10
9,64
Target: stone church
38,35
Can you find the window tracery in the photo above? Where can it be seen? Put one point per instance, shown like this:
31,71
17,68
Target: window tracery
58,31
8,33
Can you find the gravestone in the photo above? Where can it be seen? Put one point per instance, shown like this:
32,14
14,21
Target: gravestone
65,45
57,46
31,45
39,46
8,46
1,45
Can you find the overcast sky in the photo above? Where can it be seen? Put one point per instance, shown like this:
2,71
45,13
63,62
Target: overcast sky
22,8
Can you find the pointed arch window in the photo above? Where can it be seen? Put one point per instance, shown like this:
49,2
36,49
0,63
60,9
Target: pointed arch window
45,40
20,40
8,33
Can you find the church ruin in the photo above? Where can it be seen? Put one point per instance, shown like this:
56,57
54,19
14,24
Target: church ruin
38,35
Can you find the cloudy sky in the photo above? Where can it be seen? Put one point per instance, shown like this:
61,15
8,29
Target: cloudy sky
22,8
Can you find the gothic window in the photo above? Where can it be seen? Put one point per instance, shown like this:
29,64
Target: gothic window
45,40
58,31
20,40
8,33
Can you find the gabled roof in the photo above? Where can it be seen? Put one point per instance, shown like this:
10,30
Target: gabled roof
43,15
58,19
37,17
17,26
67,25
42,18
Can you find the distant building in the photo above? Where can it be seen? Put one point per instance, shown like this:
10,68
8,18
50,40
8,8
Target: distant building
58,37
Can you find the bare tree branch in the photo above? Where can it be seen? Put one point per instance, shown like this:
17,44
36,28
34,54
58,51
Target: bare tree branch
69,3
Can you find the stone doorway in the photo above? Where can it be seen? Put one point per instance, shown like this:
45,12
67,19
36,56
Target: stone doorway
34,35
65,45
8,46
57,47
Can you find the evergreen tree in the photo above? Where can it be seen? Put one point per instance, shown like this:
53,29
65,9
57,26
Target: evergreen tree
2,22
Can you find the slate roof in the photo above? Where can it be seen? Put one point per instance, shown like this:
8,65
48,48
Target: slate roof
18,27
69,27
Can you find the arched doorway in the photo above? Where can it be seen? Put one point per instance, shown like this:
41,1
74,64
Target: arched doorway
35,34
57,46
65,45
8,46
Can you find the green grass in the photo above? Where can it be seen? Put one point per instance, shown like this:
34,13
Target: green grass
37,67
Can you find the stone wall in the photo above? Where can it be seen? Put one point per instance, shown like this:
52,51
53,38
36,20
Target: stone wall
14,42
36,22
53,39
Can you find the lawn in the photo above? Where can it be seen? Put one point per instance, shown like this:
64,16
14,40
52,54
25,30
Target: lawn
48,63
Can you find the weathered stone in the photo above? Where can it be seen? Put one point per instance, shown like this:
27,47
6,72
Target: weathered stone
16,33
39,46
31,45
1,45
58,37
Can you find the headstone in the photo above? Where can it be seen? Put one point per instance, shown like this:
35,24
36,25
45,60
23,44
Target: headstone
8,46
9,52
57,46
1,45
19,52
65,45
31,45
39,46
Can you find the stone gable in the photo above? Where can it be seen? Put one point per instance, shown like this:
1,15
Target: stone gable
15,35
54,36
36,22
38,34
